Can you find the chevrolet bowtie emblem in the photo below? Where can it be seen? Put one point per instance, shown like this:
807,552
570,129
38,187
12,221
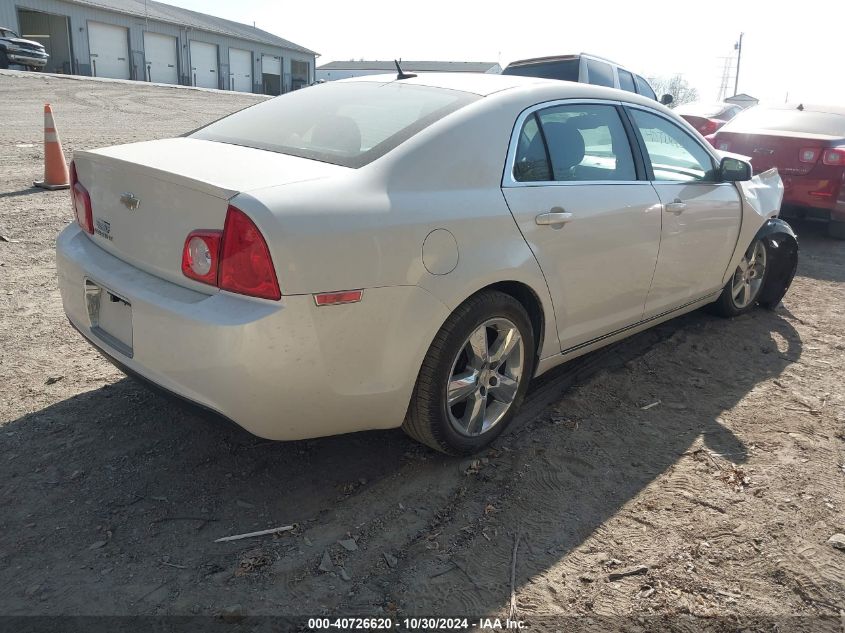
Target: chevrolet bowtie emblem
130,201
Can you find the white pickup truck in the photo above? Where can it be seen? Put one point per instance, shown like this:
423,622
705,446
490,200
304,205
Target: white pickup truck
16,51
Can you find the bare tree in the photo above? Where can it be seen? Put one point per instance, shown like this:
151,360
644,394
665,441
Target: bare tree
676,86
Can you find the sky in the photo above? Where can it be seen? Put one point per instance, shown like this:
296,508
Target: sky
789,51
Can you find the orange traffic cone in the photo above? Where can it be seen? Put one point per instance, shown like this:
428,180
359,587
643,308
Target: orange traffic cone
56,175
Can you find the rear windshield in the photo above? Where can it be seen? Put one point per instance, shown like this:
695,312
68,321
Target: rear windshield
793,120
702,109
565,69
347,124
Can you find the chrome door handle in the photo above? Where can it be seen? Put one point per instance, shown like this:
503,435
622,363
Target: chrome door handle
677,207
554,218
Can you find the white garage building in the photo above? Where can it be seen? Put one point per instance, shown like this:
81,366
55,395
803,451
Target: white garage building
152,41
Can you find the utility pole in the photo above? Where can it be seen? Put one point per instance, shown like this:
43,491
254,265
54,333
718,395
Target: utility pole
738,47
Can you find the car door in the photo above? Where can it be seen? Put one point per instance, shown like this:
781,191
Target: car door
572,185
701,216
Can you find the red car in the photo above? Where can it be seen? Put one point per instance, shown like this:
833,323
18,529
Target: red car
807,145
708,117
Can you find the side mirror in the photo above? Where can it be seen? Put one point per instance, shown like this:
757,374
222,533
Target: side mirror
667,99
734,170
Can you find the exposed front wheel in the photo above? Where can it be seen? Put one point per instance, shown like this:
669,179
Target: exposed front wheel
474,376
743,288
4,60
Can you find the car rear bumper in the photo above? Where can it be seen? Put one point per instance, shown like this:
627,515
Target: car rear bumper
813,197
27,59
282,370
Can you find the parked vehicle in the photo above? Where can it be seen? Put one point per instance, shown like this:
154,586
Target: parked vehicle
14,50
807,145
351,256
585,68
707,118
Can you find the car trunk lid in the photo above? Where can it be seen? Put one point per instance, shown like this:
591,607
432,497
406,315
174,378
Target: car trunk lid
792,155
147,197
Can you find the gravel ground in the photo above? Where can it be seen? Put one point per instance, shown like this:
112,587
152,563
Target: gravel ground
725,492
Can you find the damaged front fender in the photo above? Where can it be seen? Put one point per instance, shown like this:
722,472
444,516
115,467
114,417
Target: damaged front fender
782,251
761,200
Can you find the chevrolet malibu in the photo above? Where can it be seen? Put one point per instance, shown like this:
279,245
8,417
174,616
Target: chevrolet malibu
806,143
408,251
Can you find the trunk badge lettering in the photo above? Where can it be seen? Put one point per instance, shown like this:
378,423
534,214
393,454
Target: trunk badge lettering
130,201
764,150
103,229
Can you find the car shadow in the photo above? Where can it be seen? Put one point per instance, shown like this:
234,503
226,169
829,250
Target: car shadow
575,470
102,490
21,192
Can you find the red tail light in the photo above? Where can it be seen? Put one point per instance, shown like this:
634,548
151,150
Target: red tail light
808,154
81,202
201,256
235,259
834,157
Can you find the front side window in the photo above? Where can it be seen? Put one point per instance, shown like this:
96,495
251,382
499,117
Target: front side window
600,74
583,143
673,153
348,124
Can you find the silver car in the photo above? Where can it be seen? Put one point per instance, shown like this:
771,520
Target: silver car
408,251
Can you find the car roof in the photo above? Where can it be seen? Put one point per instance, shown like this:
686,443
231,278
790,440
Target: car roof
482,84
485,84
806,107
554,58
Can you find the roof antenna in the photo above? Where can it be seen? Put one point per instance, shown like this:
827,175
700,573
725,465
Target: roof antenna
800,107
400,73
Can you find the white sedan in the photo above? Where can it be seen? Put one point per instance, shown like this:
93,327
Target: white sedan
408,251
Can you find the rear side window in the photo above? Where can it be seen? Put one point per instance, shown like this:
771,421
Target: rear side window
674,154
565,69
348,124
626,80
600,74
532,163
582,143
643,88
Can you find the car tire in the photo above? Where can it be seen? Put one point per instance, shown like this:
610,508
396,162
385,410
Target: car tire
4,60
458,393
836,230
743,289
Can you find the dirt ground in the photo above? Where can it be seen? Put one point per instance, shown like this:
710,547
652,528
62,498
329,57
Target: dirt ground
726,490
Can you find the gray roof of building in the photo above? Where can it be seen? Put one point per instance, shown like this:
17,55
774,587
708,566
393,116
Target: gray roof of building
176,15
411,66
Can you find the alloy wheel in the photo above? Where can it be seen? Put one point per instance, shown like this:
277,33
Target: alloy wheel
485,377
748,278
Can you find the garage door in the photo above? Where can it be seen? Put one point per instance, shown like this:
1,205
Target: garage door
109,49
271,65
240,70
204,65
160,58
